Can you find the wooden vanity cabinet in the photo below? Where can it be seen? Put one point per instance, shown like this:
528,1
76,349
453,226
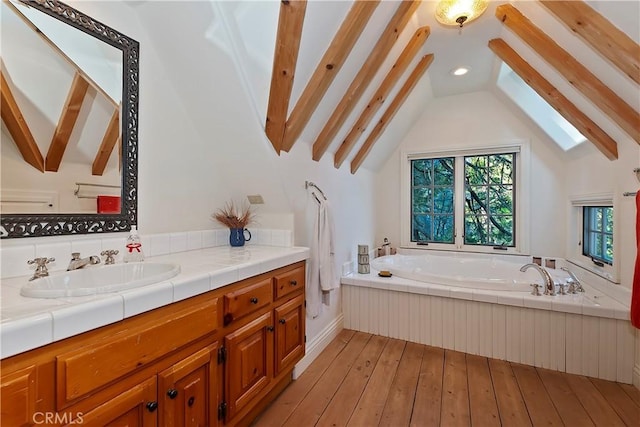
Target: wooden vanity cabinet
188,390
289,333
135,407
178,365
249,363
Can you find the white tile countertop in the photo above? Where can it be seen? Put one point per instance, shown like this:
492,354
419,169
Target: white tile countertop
27,323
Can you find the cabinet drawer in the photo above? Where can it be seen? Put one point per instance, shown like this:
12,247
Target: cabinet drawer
289,282
86,369
247,300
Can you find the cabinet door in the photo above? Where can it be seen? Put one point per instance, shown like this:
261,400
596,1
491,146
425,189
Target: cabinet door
18,394
289,333
188,391
137,407
249,365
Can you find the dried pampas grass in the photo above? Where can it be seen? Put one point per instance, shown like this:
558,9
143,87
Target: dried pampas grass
234,217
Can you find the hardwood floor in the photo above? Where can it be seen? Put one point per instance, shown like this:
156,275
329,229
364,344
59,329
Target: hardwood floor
367,380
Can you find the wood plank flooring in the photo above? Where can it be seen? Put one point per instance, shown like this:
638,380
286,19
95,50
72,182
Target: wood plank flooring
367,380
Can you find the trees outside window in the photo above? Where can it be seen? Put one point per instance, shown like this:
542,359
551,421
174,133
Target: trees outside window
597,235
480,189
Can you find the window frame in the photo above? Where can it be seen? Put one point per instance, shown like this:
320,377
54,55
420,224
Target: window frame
521,193
587,232
575,255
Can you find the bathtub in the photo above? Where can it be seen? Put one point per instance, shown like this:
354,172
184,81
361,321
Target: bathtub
466,270
449,300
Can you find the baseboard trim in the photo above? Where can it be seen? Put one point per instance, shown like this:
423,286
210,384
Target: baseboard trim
636,376
315,346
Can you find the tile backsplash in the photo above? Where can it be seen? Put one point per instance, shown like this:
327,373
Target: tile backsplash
14,253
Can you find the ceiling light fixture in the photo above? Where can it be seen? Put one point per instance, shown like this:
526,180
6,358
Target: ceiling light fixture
459,12
460,71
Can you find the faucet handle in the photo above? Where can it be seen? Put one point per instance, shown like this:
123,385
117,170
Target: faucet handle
41,261
110,254
563,288
536,289
41,267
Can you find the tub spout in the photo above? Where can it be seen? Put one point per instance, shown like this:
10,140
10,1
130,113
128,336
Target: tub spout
549,286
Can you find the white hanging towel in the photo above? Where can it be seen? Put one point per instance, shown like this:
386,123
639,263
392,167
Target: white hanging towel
322,276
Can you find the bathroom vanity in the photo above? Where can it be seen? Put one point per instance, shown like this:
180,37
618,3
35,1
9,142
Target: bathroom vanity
216,358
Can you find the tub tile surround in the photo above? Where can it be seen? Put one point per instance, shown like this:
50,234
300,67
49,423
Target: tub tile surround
27,323
587,334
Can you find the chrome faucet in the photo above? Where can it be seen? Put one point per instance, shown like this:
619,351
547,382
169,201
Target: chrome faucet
574,283
77,262
549,286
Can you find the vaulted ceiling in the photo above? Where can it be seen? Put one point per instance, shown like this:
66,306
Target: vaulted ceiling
284,124
248,36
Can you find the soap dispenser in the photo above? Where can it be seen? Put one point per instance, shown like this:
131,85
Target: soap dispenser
133,252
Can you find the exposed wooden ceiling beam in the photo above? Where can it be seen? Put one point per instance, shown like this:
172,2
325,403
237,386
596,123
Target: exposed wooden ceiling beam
576,73
549,93
600,33
109,140
391,111
400,66
284,66
327,69
365,75
66,123
17,126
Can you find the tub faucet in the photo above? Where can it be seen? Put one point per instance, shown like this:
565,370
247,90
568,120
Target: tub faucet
77,262
549,286
577,286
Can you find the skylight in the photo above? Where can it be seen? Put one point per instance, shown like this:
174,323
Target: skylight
555,126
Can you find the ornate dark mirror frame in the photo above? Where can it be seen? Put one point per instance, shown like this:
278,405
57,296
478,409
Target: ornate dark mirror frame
38,225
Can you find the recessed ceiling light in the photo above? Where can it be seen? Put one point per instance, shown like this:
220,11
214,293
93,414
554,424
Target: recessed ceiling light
460,71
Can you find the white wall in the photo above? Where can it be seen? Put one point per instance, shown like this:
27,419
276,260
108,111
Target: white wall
475,120
201,145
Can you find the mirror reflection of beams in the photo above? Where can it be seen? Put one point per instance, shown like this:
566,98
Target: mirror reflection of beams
69,94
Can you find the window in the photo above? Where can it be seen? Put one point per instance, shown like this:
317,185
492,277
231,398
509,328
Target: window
489,200
597,233
593,236
465,199
432,187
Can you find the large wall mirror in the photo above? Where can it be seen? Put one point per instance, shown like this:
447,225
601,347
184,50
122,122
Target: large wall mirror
69,122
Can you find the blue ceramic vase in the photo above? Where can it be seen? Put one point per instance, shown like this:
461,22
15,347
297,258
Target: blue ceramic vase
238,236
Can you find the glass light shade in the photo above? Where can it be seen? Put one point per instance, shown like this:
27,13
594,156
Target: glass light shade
458,12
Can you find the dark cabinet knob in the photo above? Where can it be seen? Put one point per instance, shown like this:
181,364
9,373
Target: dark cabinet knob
270,328
283,321
152,406
190,401
172,393
253,300
293,282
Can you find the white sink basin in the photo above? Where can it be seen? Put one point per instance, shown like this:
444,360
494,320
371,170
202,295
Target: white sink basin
99,280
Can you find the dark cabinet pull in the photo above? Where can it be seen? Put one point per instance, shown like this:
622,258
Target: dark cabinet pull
172,393
152,406
253,300
293,282
283,321
270,328
190,401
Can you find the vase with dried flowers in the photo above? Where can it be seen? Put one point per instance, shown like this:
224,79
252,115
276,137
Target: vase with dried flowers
237,219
